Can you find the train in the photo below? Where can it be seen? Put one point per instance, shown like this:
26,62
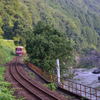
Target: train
20,51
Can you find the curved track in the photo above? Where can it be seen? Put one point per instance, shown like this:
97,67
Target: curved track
31,86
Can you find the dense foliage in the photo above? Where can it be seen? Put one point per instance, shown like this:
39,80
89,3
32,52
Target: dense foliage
13,18
79,19
6,50
46,44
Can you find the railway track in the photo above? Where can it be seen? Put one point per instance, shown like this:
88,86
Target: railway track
35,89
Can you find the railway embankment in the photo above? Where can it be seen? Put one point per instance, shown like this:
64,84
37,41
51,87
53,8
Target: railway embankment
27,87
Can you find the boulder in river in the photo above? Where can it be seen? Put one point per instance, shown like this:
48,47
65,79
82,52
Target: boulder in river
96,71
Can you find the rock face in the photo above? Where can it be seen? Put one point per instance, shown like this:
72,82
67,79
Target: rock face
77,59
91,59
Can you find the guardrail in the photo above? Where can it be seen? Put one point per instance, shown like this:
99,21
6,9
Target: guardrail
81,90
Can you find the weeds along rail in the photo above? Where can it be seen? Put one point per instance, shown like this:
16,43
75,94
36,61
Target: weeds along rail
17,72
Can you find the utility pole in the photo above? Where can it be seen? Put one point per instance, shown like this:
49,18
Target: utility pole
58,70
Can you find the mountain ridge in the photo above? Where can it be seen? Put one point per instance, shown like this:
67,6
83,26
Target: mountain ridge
75,18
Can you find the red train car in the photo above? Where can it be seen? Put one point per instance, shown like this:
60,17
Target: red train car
19,50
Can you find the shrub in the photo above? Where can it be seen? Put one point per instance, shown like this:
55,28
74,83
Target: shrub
52,86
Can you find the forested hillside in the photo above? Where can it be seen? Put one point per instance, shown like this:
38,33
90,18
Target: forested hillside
79,19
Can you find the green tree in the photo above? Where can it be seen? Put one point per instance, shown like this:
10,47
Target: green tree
46,44
7,31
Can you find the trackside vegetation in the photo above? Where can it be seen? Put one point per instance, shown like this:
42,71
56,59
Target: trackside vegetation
6,50
6,93
6,54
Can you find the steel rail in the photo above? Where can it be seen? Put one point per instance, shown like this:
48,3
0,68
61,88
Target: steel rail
15,70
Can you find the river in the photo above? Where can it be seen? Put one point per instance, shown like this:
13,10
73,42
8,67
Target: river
86,77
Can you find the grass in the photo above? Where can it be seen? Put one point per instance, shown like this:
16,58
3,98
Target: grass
6,93
6,54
